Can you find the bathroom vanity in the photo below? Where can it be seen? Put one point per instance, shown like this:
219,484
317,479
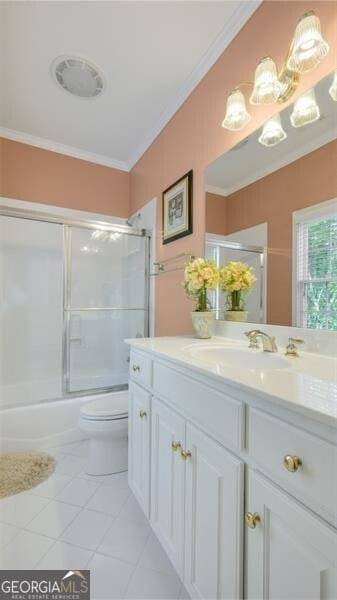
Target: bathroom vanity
236,467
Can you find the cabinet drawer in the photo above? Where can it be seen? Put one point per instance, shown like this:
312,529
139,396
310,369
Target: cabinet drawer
314,482
218,414
140,368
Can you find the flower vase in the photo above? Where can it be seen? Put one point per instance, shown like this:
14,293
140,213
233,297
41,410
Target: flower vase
236,312
202,322
240,316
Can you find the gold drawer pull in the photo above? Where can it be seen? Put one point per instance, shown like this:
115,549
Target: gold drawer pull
185,454
142,414
252,519
175,446
292,463
135,368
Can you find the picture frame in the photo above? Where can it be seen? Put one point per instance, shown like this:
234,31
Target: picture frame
177,209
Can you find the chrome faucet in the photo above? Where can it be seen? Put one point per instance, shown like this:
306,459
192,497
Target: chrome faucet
268,342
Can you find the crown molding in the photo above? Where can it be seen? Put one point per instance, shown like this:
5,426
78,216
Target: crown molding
32,140
315,144
243,12
213,189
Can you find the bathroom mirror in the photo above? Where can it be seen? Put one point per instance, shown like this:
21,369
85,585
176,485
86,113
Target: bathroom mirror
274,207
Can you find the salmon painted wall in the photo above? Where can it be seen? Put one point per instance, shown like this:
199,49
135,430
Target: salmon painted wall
37,175
194,136
216,214
273,199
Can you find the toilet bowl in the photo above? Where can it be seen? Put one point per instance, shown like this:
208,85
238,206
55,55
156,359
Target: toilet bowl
105,422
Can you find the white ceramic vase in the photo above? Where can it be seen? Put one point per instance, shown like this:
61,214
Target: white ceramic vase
202,323
240,316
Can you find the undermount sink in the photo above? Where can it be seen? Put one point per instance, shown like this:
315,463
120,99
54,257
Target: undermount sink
239,358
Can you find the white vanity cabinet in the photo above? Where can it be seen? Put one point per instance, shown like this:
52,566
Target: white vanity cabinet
241,492
291,554
168,481
213,519
139,445
196,505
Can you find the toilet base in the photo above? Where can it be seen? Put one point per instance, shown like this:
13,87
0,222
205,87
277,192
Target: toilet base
107,456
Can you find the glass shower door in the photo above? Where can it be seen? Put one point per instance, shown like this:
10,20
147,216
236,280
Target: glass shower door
31,311
106,302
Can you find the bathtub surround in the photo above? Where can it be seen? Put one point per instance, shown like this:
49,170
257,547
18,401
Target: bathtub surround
20,472
68,326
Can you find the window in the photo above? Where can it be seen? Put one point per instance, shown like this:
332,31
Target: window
315,281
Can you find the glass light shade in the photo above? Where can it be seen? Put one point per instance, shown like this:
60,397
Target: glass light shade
308,46
306,110
237,115
333,88
272,132
267,87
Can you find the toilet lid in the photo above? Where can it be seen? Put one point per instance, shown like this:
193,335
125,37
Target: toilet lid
113,406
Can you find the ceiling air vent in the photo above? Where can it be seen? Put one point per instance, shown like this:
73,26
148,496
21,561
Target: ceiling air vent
77,76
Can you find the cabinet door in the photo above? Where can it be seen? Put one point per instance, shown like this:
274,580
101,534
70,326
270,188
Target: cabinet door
214,516
291,554
167,481
139,445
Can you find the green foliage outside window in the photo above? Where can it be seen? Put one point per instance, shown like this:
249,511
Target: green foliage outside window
320,288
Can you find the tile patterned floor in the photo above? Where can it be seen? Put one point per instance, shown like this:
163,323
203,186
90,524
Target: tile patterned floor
75,521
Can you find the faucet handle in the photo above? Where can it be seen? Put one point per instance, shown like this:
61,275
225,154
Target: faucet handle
291,349
253,341
293,340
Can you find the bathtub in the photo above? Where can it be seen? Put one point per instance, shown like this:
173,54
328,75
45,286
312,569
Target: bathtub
43,425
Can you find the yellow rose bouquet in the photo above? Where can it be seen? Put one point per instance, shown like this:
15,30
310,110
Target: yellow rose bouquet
200,275
236,278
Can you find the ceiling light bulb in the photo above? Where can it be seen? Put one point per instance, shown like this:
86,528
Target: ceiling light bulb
272,132
237,115
333,88
308,46
267,87
306,110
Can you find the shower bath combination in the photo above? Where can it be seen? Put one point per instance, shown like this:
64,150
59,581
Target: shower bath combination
72,292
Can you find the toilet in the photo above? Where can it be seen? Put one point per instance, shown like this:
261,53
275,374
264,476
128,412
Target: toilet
104,420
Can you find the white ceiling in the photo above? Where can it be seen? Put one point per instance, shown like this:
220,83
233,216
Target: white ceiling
152,54
249,161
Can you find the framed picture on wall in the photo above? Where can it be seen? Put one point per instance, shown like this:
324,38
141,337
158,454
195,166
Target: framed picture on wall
177,209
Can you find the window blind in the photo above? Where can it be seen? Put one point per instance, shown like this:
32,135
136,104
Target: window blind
316,272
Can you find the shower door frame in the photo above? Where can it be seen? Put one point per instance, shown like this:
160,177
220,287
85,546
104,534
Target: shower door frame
21,213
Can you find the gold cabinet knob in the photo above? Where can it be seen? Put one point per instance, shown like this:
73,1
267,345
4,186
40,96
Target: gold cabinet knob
252,519
142,413
292,463
135,367
175,446
185,454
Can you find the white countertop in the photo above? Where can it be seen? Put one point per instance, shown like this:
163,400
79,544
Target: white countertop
307,384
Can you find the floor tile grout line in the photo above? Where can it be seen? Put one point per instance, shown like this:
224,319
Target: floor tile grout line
138,562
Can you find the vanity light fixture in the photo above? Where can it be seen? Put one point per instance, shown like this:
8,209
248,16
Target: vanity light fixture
267,87
333,88
308,46
306,110
272,132
307,49
237,115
